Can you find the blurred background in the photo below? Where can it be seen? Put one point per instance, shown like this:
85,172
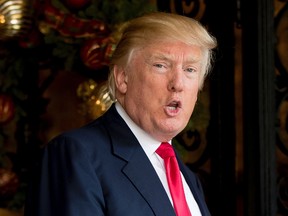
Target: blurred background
54,57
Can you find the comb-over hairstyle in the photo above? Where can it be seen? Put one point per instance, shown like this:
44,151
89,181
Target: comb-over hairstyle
160,26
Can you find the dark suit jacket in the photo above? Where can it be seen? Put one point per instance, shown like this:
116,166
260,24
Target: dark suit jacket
101,169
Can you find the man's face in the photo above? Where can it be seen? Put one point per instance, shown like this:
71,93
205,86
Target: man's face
159,87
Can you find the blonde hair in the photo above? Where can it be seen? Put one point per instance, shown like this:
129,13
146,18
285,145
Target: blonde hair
155,26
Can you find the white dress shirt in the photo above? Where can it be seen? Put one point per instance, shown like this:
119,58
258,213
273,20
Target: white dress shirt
149,146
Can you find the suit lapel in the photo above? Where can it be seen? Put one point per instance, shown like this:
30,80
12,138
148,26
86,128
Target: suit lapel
142,174
138,168
194,188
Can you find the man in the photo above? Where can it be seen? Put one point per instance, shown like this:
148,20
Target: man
111,166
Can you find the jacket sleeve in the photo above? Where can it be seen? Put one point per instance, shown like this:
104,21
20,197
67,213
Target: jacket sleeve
64,182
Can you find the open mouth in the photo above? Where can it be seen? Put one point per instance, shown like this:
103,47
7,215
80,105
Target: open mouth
174,105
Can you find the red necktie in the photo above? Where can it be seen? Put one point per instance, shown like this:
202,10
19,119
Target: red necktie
173,175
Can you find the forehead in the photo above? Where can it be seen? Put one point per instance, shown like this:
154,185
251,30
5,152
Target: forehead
168,50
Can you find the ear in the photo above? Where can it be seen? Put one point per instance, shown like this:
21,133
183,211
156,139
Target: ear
120,79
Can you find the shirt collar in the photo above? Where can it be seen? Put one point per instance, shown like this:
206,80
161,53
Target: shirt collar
148,143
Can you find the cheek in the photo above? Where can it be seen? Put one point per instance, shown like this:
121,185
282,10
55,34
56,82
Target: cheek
145,85
136,90
191,96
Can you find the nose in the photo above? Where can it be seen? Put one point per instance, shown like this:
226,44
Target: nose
176,82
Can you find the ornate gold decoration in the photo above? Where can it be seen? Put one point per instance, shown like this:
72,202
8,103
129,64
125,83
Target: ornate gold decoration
15,18
95,98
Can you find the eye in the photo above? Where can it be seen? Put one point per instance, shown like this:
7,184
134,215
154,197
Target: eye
190,70
158,65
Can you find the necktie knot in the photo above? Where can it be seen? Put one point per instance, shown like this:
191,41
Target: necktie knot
165,150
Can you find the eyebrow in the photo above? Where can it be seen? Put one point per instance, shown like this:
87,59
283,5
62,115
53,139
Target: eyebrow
158,56
167,57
